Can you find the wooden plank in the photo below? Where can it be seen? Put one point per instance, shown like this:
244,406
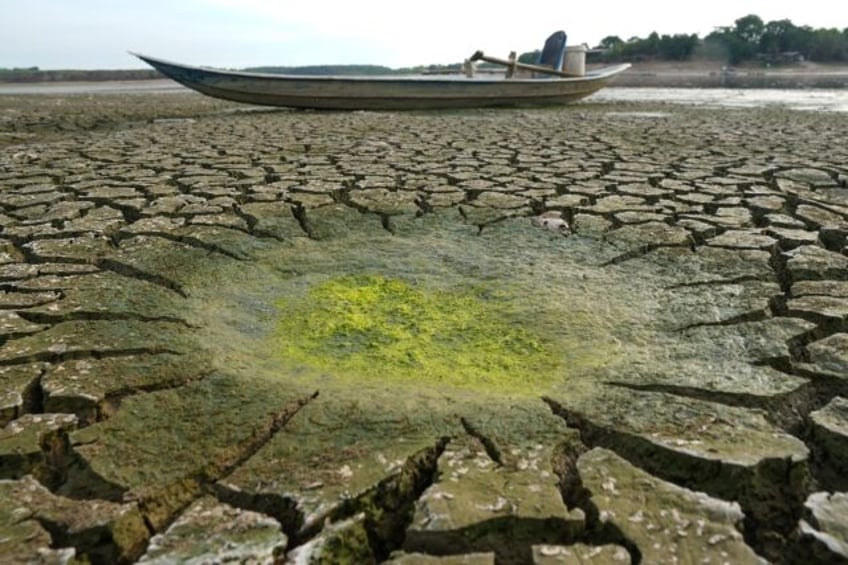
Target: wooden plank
480,56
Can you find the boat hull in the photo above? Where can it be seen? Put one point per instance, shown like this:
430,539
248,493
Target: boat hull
382,93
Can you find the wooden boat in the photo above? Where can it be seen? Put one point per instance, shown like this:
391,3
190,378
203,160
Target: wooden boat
390,92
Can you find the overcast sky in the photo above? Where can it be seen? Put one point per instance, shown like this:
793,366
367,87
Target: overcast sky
92,34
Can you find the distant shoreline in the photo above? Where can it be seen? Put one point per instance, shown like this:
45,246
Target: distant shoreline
663,75
670,75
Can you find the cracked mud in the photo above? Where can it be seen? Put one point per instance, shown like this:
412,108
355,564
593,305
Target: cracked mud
608,333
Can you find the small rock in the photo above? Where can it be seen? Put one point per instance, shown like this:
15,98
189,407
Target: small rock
552,221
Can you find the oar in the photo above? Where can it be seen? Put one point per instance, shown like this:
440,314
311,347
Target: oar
479,56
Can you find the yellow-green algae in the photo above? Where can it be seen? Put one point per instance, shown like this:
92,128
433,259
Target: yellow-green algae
376,326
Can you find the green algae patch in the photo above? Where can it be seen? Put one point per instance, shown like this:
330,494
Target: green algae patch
376,326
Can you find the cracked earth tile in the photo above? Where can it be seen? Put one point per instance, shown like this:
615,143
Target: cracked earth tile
810,262
327,457
566,201
197,210
341,542
501,201
708,432
729,452
772,203
742,239
668,523
617,203
825,525
13,300
171,264
822,309
732,217
630,217
482,216
213,532
812,177
100,220
699,230
830,355
338,221
837,289
32,275
717,264
89,530
580,554
8,254
84,249
154,225
107,193
477,506
23,540
792,238
25,232
733,354
224,220
829,429
445,199
22,447
650,234
385,201
588,188
19,392
165,205
591,225
166,448
274,219
66,211
308,200
643,190
695,197
784,221
108,295
18,202
496,485
92,389
93,338
819,217
720,304
834,196
403,558
13,326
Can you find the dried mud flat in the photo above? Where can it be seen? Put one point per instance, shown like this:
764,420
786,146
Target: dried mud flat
608,333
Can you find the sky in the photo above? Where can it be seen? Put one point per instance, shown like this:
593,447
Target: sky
97,34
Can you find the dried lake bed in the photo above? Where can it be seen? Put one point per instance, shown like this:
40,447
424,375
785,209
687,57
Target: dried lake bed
611,332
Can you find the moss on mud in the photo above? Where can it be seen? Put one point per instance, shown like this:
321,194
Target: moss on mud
372,325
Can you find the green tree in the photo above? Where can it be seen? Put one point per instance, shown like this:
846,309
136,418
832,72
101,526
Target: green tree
652,44
742,40
530,57
678,47
828,45
777,37
746,38
749,29
612,42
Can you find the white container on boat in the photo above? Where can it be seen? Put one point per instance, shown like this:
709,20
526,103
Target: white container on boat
575,60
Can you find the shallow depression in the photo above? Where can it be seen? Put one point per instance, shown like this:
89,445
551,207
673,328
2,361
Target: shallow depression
514,310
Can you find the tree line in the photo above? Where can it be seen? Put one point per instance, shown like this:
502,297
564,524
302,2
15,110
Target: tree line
749,39
34,74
